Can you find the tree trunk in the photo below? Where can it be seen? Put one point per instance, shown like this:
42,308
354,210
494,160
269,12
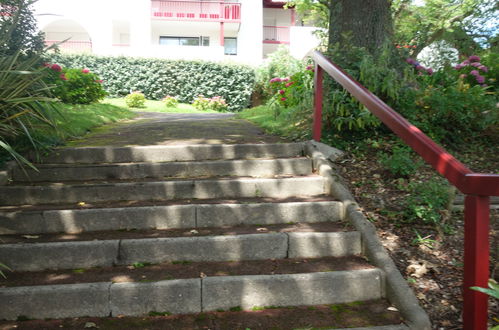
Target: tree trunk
364,23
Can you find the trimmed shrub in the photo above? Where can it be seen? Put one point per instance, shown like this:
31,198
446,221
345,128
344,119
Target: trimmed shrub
170,101
135,100
157,78
75,86
215,103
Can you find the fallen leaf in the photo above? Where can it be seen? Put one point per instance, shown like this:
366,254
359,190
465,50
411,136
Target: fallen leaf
90,325
392,309
82,204
31,236
194,232
417,269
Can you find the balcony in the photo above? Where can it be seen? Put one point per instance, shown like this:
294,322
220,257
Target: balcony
276,34
71,46
207,11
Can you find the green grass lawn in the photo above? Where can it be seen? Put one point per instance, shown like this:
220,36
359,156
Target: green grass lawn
281,125
156,106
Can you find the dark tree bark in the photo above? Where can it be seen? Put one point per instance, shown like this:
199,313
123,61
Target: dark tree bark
367,23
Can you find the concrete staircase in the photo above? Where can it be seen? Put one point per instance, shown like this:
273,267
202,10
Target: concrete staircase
80,232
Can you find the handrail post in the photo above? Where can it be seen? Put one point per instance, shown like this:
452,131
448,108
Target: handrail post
318,99
476,261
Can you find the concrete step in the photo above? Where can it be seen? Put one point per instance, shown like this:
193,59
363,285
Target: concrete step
162,190
93,155
167,217
194,295
233,245
188,169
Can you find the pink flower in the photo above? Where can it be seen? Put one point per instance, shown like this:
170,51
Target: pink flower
465,63
273,80
290,83
476,64
429,71
419,67
411,61
282,92
483,68
459,66
463,76
85,70
474,58
63,76
474,73
480,79
310,68
283,99
285,79
56,67
100,82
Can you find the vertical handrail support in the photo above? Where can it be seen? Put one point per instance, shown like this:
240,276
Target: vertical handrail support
318,101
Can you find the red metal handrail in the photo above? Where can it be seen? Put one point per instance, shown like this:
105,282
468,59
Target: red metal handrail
191,10
478,187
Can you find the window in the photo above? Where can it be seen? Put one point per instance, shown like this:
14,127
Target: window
230,46
184,41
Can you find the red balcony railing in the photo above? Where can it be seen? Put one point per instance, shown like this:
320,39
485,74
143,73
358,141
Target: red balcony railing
276,34
211,11
71,46
477,187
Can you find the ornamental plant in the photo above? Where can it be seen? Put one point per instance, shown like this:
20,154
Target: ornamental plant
170,101
472,71
135,100
74,86
216,103
156,78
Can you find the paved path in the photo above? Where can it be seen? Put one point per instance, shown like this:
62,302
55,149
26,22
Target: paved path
153,128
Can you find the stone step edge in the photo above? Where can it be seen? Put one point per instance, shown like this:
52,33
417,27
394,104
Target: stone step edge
183,189
167,217
186,296
173,153
106,253
130,171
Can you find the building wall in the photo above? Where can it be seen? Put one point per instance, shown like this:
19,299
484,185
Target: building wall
126,27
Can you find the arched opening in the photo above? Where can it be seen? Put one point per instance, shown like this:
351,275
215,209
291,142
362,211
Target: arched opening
78,39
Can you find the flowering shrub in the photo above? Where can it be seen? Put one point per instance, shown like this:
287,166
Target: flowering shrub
419,68
472,71
215,103
289,91
170,101
158,77
75,86
135,100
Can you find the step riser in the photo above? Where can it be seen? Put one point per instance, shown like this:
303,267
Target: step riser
173,153
191,295
262,168
168,217
204,189
87,254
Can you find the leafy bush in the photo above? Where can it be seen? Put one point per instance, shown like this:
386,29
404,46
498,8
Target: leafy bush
427,202
278,64
75,86
135,100
215,103
24,100
170,101
400,163
157,78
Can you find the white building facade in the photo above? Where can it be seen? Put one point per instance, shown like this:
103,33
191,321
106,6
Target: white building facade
243,31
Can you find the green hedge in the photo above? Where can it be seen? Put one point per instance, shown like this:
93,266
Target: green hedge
157,78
